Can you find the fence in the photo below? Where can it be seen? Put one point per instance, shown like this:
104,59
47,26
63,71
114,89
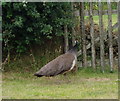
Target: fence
100,38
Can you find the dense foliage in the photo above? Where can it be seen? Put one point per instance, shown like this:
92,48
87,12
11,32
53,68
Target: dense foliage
30,23
26,23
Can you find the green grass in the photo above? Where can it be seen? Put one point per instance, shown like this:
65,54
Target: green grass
105,19
86,84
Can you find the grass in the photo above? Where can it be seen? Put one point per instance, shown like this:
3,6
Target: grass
105,19
85,84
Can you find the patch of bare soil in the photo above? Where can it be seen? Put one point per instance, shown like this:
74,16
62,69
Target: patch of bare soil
98,79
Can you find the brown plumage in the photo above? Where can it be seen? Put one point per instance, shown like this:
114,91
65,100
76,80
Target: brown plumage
59,65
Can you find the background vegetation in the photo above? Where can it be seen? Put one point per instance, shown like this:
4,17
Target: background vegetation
32,27
25,24
32,36
36,30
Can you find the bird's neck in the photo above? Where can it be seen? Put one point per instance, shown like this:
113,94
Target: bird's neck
73,51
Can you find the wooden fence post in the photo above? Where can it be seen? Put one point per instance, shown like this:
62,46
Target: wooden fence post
66,45
73,33
73,30
92,35
110,36
119,36
80,13
102,58
83,36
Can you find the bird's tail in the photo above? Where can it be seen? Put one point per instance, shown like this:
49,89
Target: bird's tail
38,75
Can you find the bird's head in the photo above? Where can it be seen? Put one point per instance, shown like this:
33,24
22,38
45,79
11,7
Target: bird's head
77,44
75,48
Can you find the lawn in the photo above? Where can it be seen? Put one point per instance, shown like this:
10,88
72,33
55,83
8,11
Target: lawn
105,19
85,84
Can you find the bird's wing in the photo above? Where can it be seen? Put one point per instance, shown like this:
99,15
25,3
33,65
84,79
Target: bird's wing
65,64
57,66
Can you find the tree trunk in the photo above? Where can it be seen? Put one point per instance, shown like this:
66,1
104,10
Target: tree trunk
92,35
102,53
73,30
66,45
110,36
119,36
1,36
83,36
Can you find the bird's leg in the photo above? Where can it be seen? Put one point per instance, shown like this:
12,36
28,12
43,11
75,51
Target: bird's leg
64,74
74,70
66,77
50,77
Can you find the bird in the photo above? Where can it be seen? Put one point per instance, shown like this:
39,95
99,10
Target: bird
60,65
